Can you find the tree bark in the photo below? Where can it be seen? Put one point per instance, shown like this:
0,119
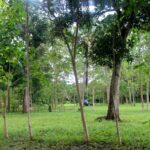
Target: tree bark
55,90
141,94
130,96
4,116
80,103
107,92
72,52
126,100
147,95
8,95
82,92
86,66
140,82
27,89
74,99
5,125
85,76
93,99
114,93
133,96
25,102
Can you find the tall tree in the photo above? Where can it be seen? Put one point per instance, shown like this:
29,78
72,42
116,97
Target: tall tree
10,41
27,99
111,43
67,25
10,19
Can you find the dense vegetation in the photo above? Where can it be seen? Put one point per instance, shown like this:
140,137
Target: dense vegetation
57,56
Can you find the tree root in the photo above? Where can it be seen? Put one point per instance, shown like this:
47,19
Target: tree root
101,118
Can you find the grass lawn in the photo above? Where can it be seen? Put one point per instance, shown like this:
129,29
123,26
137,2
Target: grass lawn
63,130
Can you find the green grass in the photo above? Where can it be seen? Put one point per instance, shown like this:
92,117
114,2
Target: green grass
65,128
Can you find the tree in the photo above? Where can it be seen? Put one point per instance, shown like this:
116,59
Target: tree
27,99
10,49
67,26
10,41
111,43
142,66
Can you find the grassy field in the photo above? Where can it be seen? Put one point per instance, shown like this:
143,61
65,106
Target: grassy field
63,130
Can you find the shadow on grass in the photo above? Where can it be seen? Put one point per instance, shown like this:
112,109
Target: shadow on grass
40,144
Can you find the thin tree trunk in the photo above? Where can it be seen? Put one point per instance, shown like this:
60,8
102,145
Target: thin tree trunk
107,91
133,96
74,99
82,89
93,99
55,92
53,104
4,117
5,125
72,52
141,94
126,100
104,98
100,98
114,93
86,66
85,76
27,39
25,103
147,95
8,94
130,96
29,115
133,90
81,106
141,85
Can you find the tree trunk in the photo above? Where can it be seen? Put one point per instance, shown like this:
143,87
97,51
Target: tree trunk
130,96
147,95
25,102
141,86
141,94
86,134
133,96
5,125
93,99
8,96
28,110
114,93
72,52
82,93
27,89
4,116
107,91
85,76
86,66
126,100
55,92
74,99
